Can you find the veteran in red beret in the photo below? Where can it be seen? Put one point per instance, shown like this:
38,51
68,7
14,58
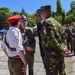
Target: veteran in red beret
12,47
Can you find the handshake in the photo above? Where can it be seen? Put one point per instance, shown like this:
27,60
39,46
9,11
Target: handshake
66,51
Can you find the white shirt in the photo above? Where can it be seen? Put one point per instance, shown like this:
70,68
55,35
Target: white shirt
14,39
42,21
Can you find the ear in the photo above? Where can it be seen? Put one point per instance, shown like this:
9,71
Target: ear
49,12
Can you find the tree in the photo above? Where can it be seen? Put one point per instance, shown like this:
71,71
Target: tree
60,13
59,18
4,14
31,20
70,19
53,14
59,8
70,16
71,13
15,13
72,4
64,17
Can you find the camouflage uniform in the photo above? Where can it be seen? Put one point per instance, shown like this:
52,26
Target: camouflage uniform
68,38
28,40
52,42
73,39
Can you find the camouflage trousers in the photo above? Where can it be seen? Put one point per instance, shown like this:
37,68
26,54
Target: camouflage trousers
54,65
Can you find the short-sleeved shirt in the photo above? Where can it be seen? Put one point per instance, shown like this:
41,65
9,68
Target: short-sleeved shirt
14,39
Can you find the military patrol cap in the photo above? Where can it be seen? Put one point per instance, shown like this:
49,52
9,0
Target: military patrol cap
38,11
47,7
23,17
14,18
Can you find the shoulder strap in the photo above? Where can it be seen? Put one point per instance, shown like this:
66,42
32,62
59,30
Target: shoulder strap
6,43
12,49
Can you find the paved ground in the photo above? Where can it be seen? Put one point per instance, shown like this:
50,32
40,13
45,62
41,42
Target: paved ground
38,66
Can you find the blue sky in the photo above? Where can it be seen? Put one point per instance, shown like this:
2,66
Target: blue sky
30,6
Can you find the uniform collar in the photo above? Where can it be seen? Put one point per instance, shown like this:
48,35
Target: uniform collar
25,27
12,27
42,21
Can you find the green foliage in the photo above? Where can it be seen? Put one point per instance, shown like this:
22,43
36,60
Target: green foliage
70,16
72,4
5,9
72,11
59,8
15,13
58,15
31,20
4,14
53,14
64,17
59,18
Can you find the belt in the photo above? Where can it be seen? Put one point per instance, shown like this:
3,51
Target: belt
16,57
13,49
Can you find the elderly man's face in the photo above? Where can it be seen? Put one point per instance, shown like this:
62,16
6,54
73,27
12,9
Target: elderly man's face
24,23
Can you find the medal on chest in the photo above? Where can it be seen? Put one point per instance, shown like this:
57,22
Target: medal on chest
44,30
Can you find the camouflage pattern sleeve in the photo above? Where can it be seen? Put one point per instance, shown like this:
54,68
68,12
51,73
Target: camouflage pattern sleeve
50,36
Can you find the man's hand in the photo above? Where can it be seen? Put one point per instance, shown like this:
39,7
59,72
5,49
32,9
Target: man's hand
66,51
73,38
24,67
30,48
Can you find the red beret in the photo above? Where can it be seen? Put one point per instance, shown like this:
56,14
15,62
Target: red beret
67,25
14,18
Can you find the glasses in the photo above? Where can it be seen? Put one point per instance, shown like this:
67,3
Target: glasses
24,20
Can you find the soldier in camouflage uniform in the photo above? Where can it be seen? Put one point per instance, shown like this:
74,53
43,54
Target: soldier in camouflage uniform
28,43
68,37
73,37
52,43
